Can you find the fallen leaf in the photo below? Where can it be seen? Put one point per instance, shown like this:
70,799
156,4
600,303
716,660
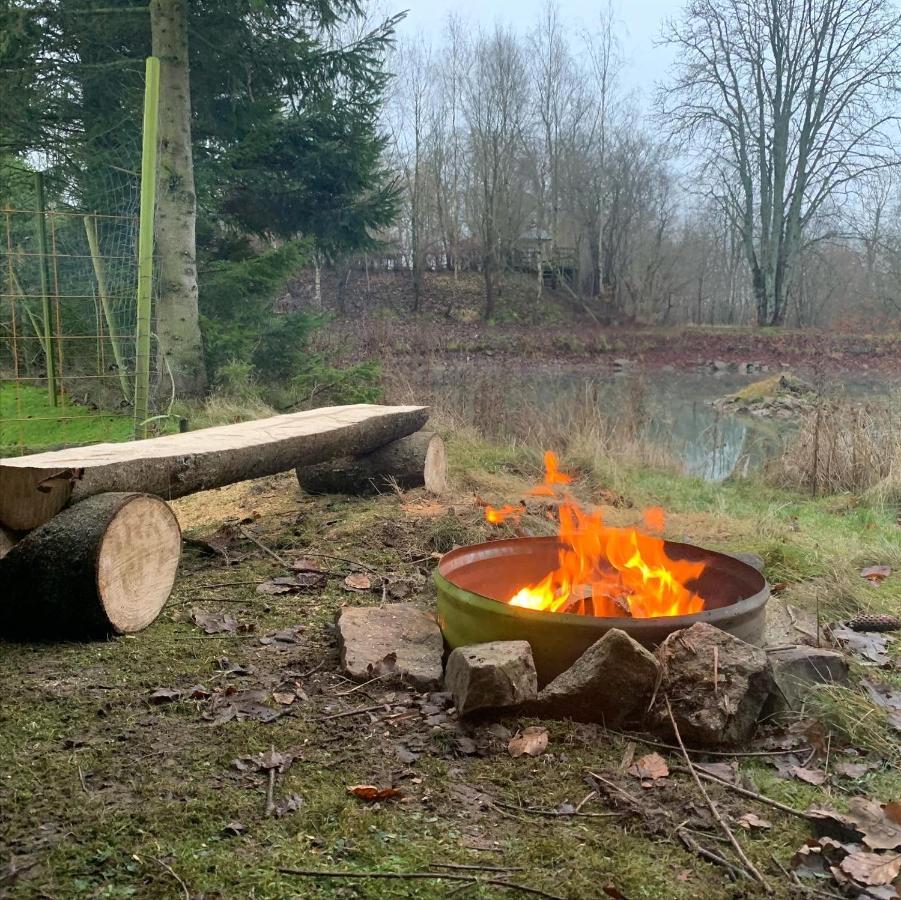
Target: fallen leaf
751,821
872,868
879,826
358,581
291,635
219,542
727,772
876,574
234,829
532,741
871,647
214,622
652,766
309,580
270,588
372,794
198,692
611,890
164,695
291,803
283,698
811,776
855,770
305,564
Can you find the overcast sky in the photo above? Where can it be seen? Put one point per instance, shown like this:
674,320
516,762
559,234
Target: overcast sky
639,23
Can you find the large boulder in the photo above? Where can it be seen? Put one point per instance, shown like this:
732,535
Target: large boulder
612,682
496,675
398,639
716,684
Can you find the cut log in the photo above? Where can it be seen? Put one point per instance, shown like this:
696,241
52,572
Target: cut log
105,566
418,460
7,541
34,488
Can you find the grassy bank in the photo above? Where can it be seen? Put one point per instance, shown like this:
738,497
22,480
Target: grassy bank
107,793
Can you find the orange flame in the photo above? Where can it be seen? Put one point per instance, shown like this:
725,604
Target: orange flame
607,571
499,516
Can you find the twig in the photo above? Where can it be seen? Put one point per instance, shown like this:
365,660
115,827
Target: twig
360,687
270,793
354,712
264,548
477,868
709,855
84,786
779,751
630,797
556,814
716,813
315,668
350,562
751,795
174,874
589,796
793,878
448,876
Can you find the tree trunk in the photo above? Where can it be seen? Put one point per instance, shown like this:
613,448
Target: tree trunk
177,319
418,460
103,567
34,488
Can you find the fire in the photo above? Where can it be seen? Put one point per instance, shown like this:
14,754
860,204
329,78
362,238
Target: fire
605,571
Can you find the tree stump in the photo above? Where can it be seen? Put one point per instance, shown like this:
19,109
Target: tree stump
418,460
102,567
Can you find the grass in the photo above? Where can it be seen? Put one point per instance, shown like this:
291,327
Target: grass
30,423
103,794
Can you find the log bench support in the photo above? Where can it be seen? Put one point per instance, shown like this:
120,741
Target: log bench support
89,548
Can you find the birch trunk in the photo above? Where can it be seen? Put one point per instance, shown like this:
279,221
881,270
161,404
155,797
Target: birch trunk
177,319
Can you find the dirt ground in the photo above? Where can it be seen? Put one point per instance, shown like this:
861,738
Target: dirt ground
181,763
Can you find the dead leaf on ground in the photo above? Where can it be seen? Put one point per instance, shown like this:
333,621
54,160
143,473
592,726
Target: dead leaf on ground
263,762
305,564
611,890
811,776
876,574
292,635
372,794
872,868
879,826
652,766
234,829
751,821
886,697
271,589
283,698
725,771
870,647
164,695
855,770
358,581
531,741
214,622
220,542
291,803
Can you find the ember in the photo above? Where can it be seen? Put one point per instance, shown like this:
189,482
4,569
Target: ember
604,571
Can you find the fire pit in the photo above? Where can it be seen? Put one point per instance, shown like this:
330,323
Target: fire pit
476,584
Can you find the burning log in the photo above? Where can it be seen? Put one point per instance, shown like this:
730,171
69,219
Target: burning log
105,566
418,460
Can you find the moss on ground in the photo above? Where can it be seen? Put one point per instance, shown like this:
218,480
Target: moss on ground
105,794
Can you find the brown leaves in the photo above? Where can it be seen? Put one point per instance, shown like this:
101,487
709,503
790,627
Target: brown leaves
164,695
369,793
263,762
531,741
650,768
810,776
292,584
750,821
219,622
870,648
876,574
358,581
884,696
872,868
878,826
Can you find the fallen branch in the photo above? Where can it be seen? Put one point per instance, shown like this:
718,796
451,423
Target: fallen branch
270,793
554,813
174,874
692,845
350,562
447,876
779,751
355,712
716,813
264,548
751,795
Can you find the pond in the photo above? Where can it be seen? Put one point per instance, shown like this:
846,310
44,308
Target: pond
673,408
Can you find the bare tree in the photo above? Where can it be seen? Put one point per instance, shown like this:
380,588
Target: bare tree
786,102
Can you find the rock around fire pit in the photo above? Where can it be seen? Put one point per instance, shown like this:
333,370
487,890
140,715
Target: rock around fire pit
474,584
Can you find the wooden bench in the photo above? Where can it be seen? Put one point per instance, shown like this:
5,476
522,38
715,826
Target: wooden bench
90,546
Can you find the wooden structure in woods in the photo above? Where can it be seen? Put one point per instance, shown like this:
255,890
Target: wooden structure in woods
89,547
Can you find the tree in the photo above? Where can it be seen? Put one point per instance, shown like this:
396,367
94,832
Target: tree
786,103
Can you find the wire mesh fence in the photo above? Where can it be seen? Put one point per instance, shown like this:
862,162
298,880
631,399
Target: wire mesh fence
69,271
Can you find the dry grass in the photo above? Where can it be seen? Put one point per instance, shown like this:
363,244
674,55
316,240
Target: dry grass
845,445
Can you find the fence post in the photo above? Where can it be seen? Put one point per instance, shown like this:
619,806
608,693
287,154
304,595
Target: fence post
41,234
149,154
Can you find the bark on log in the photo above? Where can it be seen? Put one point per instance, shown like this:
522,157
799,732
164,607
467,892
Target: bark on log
34,488
414,461
102,567
7,541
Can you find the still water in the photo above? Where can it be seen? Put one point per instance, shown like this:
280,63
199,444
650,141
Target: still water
676,411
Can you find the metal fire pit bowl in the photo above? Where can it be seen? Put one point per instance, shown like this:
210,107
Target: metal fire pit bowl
474,582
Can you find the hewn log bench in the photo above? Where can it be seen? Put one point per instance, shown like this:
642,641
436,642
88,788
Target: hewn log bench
89,546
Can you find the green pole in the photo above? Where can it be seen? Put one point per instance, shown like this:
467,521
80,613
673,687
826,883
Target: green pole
149,154
41,233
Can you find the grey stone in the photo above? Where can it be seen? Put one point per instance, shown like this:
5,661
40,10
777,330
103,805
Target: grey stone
612,682
707,712
496,675
797,670
398,639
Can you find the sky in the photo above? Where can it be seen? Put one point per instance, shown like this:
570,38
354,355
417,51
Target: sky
639,23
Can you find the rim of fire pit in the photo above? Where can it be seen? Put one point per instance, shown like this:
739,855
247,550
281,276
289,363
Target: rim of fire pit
558,639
